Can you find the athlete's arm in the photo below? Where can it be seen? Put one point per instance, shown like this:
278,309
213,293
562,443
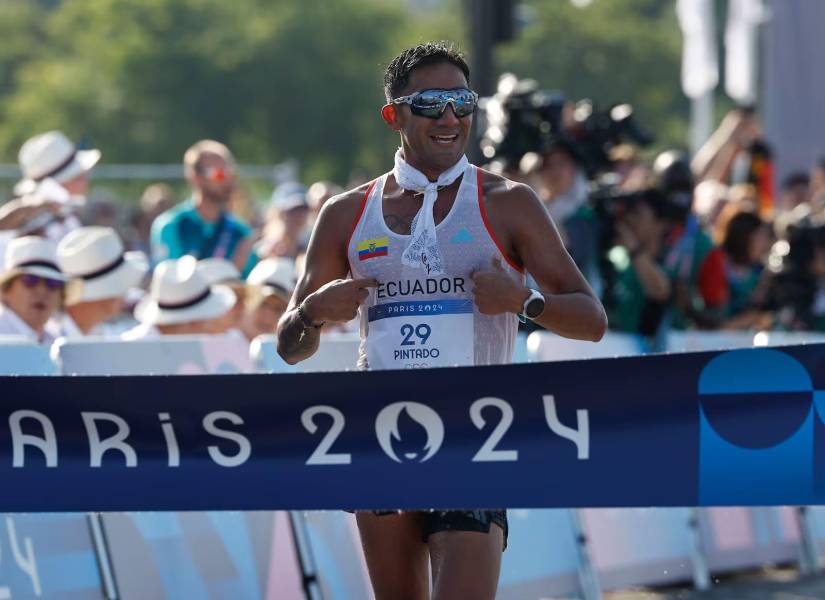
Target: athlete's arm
530,238
326,296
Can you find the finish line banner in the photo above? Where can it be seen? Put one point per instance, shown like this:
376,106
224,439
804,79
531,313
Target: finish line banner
744,427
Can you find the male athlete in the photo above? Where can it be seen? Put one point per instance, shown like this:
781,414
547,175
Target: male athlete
437,249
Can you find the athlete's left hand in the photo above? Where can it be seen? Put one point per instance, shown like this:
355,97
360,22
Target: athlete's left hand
496,292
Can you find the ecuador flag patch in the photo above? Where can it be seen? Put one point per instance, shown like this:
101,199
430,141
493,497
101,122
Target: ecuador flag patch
373,248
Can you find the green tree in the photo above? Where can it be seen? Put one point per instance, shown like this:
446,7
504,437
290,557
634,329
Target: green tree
22,32
275,80
610,51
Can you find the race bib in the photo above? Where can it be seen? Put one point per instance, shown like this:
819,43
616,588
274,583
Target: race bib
420,334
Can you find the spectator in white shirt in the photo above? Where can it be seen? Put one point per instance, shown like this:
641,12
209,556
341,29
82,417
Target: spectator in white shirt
31,288
100,273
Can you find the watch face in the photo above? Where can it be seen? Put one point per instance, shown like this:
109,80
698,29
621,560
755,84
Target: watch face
534,308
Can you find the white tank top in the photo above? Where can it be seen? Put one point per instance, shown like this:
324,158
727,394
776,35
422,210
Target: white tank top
412,320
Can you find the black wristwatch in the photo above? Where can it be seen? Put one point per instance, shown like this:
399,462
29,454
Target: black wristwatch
534,305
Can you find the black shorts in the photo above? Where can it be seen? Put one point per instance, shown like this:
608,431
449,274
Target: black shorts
433,521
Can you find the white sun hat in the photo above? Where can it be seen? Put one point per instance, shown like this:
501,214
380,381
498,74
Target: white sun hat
180,294
52,155
94,260
219,270
274,275
31,254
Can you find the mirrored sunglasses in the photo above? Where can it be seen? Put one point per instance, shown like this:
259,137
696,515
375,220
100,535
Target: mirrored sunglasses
32,281
432,103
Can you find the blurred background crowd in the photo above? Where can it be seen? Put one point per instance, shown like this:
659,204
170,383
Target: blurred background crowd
703,243
98,98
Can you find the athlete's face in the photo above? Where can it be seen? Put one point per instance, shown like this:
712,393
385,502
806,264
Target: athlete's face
433,145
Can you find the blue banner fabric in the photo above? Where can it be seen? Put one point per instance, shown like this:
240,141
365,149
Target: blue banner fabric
743,427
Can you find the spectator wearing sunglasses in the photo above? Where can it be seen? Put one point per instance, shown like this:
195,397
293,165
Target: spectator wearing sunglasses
443,244
31,289
203,226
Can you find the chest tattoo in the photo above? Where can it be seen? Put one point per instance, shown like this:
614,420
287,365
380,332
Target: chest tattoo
402,224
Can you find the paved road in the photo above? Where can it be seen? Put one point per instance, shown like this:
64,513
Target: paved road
771,584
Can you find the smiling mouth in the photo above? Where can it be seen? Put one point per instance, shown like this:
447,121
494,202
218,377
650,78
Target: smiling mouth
444,139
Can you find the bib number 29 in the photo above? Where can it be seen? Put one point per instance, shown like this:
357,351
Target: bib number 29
422,332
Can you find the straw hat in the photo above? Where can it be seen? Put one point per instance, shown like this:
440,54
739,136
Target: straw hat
180,294
52,155
274,276
218,270
95,261
31,254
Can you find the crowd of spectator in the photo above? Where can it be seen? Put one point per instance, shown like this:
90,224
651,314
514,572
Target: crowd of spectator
192,267
707,243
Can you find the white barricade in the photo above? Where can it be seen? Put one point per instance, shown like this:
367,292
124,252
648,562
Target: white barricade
542,558
150,536
547,554
701,341
171,355
520,354
639,546
816,524
337,352
328,540
543,346
333,541
203,555
19,356
630,547
744,538
787,338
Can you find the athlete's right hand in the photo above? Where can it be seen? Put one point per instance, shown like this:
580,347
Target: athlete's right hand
338,300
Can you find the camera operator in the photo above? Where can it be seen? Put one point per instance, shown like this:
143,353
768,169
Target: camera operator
564,190
796,293
640,291
695,265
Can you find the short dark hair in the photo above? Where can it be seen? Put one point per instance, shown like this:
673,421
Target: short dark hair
794,179
740,228
655,199
398,71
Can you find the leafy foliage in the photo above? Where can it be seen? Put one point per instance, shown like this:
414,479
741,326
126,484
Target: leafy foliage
610,51
279,79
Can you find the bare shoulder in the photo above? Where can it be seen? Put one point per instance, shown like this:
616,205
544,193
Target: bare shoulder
326,257
506,197
335,223
344,208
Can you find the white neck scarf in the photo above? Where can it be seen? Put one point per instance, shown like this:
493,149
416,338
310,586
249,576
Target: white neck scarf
423,252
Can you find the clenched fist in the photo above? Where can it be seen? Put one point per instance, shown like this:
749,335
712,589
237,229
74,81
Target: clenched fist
338,300
496,292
